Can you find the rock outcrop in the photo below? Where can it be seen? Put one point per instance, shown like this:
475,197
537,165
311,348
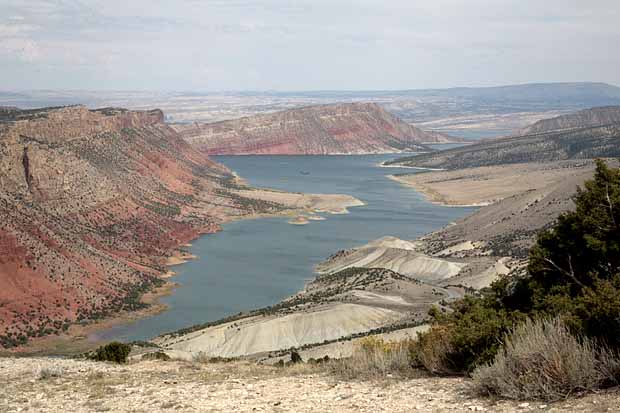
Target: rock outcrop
601,116
353,128
92,202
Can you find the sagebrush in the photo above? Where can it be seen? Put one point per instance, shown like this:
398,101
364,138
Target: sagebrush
543,360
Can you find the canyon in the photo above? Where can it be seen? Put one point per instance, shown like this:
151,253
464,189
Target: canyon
387,286
96,203
352,128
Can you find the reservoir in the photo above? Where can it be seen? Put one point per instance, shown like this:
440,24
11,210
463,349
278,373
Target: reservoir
256,263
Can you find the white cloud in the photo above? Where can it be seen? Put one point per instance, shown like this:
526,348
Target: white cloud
12,30
25,50
309,44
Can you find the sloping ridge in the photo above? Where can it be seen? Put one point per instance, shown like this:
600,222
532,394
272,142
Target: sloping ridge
351,128
606,115
585,135
92,202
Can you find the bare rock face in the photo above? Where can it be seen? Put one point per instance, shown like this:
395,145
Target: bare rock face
355,128
601,116
91,205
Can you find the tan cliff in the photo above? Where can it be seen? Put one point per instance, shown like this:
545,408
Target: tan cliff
351,128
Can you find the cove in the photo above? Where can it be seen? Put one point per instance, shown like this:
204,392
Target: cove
255,263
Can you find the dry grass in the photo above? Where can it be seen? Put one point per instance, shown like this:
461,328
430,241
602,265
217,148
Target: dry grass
50,372
431,349
543,360
376,358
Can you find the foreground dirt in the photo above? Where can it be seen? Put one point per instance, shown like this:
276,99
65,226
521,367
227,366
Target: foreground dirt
242,387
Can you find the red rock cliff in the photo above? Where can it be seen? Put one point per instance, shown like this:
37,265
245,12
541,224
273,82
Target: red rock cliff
353,128
91,204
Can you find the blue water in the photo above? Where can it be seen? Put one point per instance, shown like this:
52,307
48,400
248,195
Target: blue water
255,263
477,134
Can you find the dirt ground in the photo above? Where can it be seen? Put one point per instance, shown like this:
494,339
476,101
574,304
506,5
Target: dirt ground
28,384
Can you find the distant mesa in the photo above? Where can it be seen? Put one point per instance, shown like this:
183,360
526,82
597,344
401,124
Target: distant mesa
346,128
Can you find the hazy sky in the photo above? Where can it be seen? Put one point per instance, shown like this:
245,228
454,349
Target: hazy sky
212,45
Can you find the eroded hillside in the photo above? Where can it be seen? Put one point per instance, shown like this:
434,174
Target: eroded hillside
606,115
582,143
92,204
355,128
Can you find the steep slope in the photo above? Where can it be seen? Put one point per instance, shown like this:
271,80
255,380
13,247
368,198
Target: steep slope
91,205
316,130
601,116
582,143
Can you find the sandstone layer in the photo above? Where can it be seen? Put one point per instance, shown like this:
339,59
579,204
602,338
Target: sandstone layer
353,128
93,203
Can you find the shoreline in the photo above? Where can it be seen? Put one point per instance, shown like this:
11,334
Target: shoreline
80,338
435,197
419,168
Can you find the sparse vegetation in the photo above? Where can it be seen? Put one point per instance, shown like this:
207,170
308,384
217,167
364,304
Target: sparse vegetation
50,372
374,357
115,352
574,274
543,360
156,355
202,358
295,357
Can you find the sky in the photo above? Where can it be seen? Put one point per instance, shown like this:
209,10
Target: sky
297,45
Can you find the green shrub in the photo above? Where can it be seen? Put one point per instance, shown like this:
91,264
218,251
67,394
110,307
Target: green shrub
543,360
575,266
115,352
295,357
470,335
156,355
432,350
573,271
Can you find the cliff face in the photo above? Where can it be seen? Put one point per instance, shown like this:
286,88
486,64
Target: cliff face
355,128
91,205
601,116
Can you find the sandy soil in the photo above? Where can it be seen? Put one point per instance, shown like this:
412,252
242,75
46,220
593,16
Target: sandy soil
407,257
329,203
397,255
179,257
263,334
149,386
487,185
